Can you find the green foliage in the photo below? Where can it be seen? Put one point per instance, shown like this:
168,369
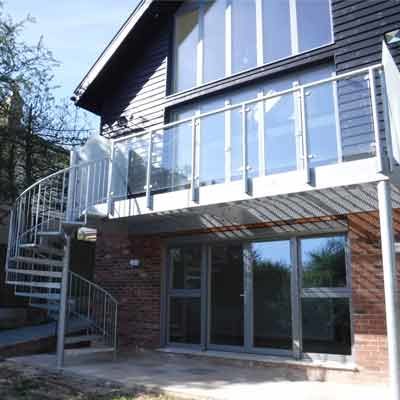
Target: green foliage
36,131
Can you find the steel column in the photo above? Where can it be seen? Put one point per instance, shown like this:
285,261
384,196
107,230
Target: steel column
63,304
390,283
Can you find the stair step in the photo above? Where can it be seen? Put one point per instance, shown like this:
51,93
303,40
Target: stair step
82,338
49,274
88,350
44,249
50,233
38,261
45,285
44,306
44,296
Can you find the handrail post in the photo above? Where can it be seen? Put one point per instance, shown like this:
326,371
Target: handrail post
63,304
71,186
10,234
109,183
148,171
87,191
375,119
245,177
304,135
193,196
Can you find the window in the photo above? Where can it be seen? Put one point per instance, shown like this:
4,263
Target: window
217,38
325,296
184,299
186,38
288,296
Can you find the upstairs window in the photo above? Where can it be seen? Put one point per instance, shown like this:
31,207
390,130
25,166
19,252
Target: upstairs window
215,39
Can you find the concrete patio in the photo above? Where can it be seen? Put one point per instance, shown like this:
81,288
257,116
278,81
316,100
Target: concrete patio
206,377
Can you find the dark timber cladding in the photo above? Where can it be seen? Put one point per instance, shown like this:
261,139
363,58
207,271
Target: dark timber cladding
136,87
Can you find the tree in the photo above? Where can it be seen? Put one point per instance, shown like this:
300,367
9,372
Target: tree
36,131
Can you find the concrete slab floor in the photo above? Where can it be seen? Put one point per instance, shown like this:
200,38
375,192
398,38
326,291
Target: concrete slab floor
205,378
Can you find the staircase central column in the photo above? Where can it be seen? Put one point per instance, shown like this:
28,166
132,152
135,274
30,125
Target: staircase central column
63,303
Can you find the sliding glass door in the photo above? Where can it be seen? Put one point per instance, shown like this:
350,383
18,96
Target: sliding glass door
282,297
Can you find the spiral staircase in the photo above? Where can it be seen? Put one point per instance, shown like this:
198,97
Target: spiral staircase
43,220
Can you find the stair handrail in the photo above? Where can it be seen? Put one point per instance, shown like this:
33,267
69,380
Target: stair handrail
90,307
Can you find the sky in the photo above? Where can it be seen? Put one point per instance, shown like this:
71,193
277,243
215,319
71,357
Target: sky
76,31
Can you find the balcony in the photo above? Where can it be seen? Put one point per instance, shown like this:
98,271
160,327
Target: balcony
318,138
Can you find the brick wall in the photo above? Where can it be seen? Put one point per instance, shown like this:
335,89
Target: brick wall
137,290
370,345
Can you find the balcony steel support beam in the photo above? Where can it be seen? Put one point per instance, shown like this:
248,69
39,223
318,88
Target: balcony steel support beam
390,283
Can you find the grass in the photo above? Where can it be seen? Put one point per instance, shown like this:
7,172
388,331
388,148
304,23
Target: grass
19,382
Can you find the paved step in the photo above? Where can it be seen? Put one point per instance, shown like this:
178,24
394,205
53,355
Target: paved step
38,261
44,296
49,274
88,351
45,285
82,338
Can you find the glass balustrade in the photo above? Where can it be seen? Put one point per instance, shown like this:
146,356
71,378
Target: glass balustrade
281,130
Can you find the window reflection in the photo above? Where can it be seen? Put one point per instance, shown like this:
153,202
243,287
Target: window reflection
323,262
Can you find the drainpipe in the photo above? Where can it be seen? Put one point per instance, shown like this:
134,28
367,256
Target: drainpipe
390,283
63,303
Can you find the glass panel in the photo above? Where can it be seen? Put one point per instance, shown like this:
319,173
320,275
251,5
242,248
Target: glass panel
227,308
186,268
276,29
138,155
214,40
244,41
236,133
272,317
186,38
172,158
184,320
355,113
313,23
323,262
212,144
326,326
253,156
280,133
129,166
321,124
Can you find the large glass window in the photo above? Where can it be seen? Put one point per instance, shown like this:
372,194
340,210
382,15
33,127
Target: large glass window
214,40
217,38
186,39
276,18
314,23
244,49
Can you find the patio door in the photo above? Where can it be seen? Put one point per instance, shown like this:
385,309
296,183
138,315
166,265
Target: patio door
250,301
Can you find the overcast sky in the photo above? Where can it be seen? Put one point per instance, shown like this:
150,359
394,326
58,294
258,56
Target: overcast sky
76,31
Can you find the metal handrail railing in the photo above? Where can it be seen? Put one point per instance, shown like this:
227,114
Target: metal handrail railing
303,152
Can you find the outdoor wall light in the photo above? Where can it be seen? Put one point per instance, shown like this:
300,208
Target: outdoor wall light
392,36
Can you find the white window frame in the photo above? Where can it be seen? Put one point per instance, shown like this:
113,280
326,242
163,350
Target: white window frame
200,6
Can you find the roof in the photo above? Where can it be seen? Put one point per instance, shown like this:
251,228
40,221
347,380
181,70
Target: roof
111,49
